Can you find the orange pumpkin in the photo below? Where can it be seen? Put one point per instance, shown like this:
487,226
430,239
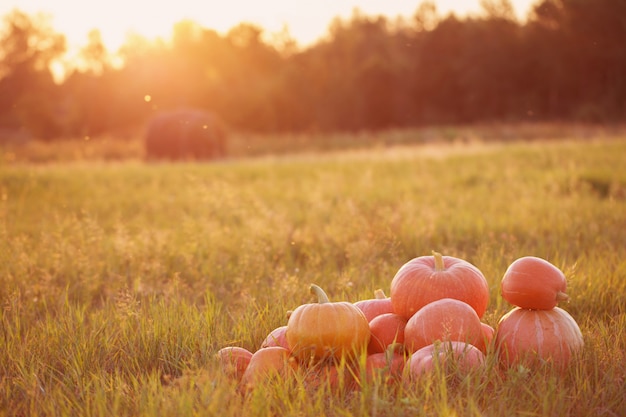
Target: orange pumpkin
380,304
385,329
324,329
443,320
234,360
534,283
386,366
277,337
488,333
425,279
426,359
532,337
265,364
334,377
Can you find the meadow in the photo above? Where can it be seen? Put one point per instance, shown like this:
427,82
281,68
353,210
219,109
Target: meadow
120,280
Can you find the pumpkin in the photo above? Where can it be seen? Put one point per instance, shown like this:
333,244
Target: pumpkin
443,320
266,364
376,306
488,333
234,360
327,329
333,377
386,329
386,366
532,337
465,356
425,279
533,283
277,337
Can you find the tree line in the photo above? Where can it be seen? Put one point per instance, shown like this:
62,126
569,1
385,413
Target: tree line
566,62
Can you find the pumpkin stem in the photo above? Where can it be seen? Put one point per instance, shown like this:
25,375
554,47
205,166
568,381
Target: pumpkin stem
319,293
439,265
561,296
379,294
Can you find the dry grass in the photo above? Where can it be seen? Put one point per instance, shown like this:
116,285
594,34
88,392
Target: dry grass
120,281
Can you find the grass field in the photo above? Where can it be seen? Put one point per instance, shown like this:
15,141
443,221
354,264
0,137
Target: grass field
119,281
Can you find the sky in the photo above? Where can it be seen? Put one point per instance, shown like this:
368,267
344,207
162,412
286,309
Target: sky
306,20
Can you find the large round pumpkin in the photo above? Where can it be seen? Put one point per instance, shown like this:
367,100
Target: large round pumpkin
444,320
532,337
327,329
531,282
425,279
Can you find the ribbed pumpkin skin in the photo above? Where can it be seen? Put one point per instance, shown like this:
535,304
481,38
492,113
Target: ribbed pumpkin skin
327,329
532,337
444,320
419,282
533,283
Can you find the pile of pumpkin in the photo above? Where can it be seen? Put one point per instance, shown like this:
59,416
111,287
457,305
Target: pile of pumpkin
431,320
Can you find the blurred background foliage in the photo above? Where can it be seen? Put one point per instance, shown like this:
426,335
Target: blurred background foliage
565,62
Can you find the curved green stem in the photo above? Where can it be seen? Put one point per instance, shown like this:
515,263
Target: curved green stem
439,265
319,293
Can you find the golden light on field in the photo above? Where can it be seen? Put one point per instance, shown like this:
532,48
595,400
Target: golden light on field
306,21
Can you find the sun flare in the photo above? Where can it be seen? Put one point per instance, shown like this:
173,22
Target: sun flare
306,22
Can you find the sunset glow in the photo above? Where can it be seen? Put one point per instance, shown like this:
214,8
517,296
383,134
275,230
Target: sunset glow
306,21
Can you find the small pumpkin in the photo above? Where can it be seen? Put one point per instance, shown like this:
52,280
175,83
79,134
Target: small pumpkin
443,320
386,366
466,357
385,330
267,363
533,283
234,360
380,304
334,377
425,279
533,337
277,337
327,329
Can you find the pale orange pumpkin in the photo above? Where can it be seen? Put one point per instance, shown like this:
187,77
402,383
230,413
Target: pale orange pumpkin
385,330
534,337
266,364
277,337
533,283
380,304
466,357
443,320
234,360
425,279
324,329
